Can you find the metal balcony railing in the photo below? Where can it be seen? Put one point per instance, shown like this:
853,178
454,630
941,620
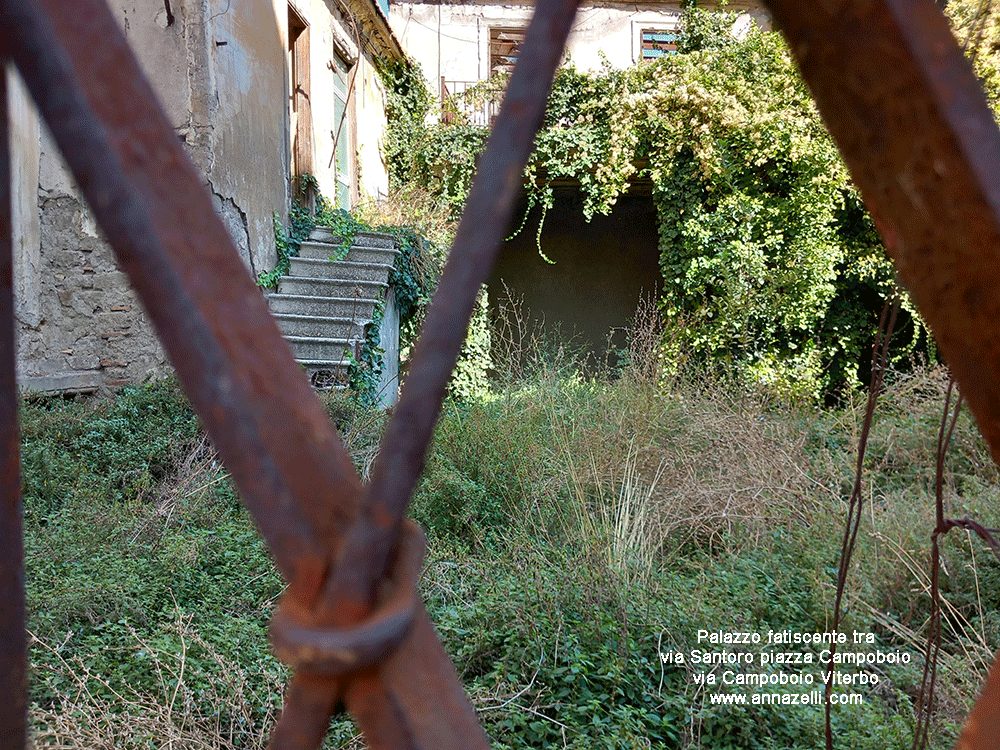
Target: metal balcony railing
469,102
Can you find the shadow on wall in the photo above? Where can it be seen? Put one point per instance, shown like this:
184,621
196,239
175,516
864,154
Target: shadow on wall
598,272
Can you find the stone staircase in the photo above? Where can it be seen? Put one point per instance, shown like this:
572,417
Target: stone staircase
322,307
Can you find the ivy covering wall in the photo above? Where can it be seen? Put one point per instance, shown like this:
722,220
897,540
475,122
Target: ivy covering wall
770,263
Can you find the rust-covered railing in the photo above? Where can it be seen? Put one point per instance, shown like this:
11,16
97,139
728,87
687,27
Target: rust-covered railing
898,97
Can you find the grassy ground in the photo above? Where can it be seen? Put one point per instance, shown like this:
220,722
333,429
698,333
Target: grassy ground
577,529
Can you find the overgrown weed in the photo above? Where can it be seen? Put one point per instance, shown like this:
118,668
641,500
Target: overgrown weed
414,206
206,702
578,526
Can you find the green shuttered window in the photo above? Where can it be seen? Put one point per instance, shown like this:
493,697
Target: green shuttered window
657,43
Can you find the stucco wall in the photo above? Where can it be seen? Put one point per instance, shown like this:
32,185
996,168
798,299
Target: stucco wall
451,40
220,70
373,178
25,152
80,326
332,32
244,85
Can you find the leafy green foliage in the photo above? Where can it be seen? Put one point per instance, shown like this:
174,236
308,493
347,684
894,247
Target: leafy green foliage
446,159
470,377
411,149
407,103
764,246
747,186
366,370
133,538
704,29
116,451
564,644
287,243
302,220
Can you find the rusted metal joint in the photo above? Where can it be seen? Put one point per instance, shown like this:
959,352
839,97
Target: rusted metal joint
329,651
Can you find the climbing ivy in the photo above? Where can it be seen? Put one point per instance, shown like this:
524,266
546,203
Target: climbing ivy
365,370
703,29
287,242
747,184
446,159
407,103
764,245
412,148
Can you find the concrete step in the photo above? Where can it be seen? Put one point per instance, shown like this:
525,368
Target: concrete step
354,308
322,306
344,269
314,250
321,326
322,250
331,287
362,239
331,350
79,381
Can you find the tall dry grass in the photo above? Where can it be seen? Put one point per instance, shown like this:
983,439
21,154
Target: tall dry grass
664,458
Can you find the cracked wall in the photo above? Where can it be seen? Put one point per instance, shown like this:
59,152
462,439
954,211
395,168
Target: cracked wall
219,68
80,327
244,66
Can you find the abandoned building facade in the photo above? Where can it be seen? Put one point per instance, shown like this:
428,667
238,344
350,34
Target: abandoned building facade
460,43
262,91
612,258
259,91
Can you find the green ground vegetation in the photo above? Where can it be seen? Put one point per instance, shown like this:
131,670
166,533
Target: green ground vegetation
578,527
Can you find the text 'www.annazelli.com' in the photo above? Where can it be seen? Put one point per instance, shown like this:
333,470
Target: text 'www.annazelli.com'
812,698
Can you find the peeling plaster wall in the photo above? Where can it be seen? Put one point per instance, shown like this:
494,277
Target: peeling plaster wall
89,331
451,40
247,98
92,331
220,69
85,329
159,42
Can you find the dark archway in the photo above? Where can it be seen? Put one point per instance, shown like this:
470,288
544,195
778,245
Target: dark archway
598,272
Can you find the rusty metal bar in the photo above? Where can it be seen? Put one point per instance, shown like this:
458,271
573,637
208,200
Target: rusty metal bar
499,180
923,147
13,646
284,455
982,727
368,545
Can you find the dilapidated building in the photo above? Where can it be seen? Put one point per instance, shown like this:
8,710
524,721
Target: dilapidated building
459,43
594,273
260,91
